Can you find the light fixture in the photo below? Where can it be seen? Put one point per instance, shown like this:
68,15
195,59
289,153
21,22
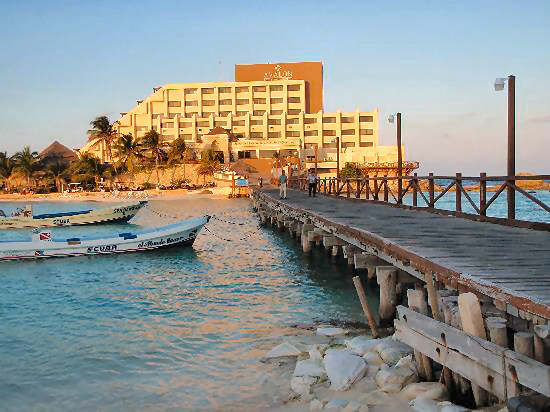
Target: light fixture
499,83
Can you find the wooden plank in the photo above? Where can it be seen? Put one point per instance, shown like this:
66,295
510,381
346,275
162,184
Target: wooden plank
486,353
527,372
454,360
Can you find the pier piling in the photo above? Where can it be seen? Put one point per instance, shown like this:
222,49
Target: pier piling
386,277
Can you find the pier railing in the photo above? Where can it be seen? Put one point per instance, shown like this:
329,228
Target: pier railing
426,193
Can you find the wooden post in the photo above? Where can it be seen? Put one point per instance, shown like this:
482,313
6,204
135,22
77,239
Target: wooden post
385,183
458,193
431,189
498,332
482,194
334,253
386,276
367,187
358,188
417,302
541,332
472,323
376,191
365,305
523,343
511,193
366,261
415,190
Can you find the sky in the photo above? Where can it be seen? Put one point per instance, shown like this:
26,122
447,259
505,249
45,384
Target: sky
62,63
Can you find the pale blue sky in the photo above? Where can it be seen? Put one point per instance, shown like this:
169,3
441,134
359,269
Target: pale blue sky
65,62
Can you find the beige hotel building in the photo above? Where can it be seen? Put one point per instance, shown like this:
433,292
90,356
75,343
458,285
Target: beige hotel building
268,109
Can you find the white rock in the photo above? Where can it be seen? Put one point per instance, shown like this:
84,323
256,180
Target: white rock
373,358
375,398
309,367
425,390
316,352
451,407
329,331
284,349
315,405
393,354
336,404
302,384
343,368
352,406
424,405
394,379
408,362
361,344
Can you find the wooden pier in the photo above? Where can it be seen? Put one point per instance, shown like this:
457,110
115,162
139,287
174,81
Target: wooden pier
478,292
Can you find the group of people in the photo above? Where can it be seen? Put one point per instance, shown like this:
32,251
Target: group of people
311,181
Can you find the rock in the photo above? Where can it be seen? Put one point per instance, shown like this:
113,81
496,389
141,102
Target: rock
424,405
309,367
425,390
408,362
336,404
393,354
302,384
284,349
352,406
316,352
376,397
528,403
373,358
361,344
451,407
343,368
329,331
394,379
315,405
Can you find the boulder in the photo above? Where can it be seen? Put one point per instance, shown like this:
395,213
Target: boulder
343,368
391,355
316,352
373,358
282,350
302,384
315,405
425,390
309,367
330,331
361,344
394,379
336,404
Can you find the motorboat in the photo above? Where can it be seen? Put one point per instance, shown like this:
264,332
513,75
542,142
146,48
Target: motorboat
44,245
24,217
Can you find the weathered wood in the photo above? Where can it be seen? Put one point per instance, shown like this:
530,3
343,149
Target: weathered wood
498,332
453,359
433,298
472,323
386,277
365,305
527,372
335,250
417,302
330,240
523,343
366,261
541,333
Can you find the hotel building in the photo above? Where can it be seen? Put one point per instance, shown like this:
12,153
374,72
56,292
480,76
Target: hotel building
269,109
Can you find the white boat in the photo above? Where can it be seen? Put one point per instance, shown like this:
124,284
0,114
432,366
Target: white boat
44,245
24,218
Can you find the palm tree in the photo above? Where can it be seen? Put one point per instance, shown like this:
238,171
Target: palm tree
128,152
6,166
58,170
152,143
209,164
102,129
88,168
176,155
26,163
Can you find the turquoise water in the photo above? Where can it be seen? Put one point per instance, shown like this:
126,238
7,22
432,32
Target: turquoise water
180,329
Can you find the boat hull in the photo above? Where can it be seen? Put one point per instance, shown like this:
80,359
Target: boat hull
177,235
113,214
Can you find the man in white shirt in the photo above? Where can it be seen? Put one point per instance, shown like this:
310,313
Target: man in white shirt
312,182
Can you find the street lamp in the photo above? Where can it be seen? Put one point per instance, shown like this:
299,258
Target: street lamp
511,172
399,156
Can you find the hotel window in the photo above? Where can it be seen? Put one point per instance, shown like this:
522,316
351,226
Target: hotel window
370,131
192,103
365,118
259,101
190,91
366,144
274,121
274,135
256,135
329,132
225,89
242,101
292,134
238,122
347,120
276,112
185,124
219,123
174,104
225,114
258,112
168,124
276,100
258,88
208,102
241,89
329,119
294,111
276,87
203,124
255,122
293,87
294,120
348,132
242,113
310,120
208,90
226,102
348,144
310,133
294,100
155,116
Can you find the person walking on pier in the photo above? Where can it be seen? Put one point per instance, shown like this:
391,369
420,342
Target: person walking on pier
282,185
312,182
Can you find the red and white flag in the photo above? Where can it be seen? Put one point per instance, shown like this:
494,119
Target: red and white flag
45,236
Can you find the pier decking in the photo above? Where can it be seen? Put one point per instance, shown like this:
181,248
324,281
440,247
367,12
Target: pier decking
506,263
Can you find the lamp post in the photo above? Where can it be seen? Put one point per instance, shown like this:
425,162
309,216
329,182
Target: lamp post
511,164
399,157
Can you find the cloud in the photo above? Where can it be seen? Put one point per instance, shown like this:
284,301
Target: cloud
540,119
